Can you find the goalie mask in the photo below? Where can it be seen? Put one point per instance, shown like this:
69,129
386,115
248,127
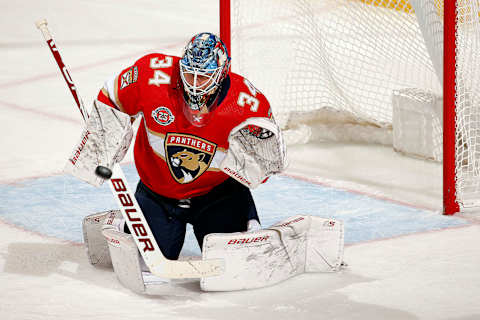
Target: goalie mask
204,65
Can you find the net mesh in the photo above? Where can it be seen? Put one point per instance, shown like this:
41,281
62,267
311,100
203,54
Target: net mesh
331,53
348,56
468,103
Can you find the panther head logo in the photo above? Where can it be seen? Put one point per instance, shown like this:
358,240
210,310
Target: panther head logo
191,164
188,156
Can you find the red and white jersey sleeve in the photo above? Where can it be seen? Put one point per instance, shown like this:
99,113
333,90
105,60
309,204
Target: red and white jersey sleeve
123,91
174,158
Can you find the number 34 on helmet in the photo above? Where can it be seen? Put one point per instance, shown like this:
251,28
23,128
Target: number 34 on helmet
204,65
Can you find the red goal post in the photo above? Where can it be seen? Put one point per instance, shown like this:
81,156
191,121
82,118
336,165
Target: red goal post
450,203
439,27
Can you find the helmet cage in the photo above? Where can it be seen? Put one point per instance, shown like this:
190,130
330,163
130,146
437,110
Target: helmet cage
204,65
211,79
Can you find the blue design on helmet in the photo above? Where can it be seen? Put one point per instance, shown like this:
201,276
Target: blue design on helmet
204,65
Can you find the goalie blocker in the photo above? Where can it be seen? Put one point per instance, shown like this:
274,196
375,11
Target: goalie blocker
252,259
104,142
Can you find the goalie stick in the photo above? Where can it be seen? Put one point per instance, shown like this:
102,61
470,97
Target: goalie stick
135,220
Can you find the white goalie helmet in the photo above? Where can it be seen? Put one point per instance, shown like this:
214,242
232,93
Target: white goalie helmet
204,65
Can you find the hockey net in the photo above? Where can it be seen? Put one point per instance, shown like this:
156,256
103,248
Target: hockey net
338,63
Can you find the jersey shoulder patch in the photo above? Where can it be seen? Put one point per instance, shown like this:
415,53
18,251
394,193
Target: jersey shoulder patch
128,77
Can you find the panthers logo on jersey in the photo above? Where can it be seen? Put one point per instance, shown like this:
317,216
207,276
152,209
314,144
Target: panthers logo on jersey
188,156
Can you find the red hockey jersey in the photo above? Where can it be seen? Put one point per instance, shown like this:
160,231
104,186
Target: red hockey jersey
174,158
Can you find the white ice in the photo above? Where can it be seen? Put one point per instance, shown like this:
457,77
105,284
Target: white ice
429,275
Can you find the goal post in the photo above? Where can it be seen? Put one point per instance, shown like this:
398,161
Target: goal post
378,64
225,24
450,204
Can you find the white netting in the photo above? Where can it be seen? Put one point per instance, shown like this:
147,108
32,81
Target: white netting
333,60
468,102
346,55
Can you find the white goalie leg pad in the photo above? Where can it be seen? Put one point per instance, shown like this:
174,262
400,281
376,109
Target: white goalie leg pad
104,141
95,244
125,259
129,266
325,245
266,257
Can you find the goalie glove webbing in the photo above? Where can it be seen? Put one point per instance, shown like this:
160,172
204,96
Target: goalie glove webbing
256,151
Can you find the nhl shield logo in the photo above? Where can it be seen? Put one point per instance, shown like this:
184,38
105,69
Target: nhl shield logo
188,156
163,116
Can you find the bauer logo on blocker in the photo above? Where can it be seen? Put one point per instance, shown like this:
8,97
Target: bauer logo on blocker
163,116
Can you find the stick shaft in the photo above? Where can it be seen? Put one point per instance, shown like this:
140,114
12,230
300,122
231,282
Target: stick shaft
42,25
131,211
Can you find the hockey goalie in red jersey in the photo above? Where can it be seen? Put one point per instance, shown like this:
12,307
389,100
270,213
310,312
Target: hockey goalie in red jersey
207,137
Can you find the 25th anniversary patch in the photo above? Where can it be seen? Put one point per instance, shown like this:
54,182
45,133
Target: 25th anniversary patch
163,116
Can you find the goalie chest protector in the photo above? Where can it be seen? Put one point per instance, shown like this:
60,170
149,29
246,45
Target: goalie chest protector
166,139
